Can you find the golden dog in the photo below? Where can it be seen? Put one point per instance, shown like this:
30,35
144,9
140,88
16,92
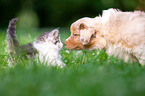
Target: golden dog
121,34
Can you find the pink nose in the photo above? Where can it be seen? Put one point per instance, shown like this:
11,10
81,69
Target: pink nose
65,42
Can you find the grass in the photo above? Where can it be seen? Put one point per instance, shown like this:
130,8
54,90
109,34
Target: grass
90,73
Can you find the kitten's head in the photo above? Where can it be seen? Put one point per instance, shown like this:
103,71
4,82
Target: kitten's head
51,38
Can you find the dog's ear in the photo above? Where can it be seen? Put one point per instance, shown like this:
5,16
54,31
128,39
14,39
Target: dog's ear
82,26
87,36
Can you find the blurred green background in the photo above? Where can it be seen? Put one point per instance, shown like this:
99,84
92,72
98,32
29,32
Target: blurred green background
58,13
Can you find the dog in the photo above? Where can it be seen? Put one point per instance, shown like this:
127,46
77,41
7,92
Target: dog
121,34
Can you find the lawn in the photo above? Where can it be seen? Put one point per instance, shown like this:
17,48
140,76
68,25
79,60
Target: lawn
87,73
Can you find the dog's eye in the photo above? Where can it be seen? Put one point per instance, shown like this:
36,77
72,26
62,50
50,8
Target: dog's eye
75,34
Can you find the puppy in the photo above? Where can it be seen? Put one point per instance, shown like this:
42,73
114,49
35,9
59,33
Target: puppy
121,34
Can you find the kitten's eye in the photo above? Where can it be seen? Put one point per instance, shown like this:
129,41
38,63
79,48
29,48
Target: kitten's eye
56,42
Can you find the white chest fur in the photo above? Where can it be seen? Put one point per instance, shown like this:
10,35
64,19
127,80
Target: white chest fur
49,53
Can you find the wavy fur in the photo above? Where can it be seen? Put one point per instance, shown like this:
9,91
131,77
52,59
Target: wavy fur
121,34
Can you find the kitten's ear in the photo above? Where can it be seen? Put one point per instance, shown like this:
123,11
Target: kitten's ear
55,33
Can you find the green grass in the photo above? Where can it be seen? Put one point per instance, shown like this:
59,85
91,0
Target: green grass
86,73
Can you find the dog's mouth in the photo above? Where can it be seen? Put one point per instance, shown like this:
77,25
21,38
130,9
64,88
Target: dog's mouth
76,48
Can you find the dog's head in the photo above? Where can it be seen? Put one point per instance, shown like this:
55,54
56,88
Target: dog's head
84,35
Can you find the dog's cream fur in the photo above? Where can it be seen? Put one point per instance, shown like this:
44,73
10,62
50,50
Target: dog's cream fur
121,34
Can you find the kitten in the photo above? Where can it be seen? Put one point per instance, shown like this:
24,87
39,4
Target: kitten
47,46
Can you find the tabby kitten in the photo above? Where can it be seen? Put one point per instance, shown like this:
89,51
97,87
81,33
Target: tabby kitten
46,48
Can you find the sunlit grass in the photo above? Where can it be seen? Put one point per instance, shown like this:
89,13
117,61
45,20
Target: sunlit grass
87,73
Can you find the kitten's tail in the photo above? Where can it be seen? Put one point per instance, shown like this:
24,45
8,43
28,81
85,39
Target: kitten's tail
12,40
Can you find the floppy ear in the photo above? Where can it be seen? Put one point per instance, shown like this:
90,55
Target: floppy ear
86,34
82,26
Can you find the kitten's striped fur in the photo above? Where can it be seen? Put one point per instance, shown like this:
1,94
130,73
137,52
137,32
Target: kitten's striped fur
48,42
